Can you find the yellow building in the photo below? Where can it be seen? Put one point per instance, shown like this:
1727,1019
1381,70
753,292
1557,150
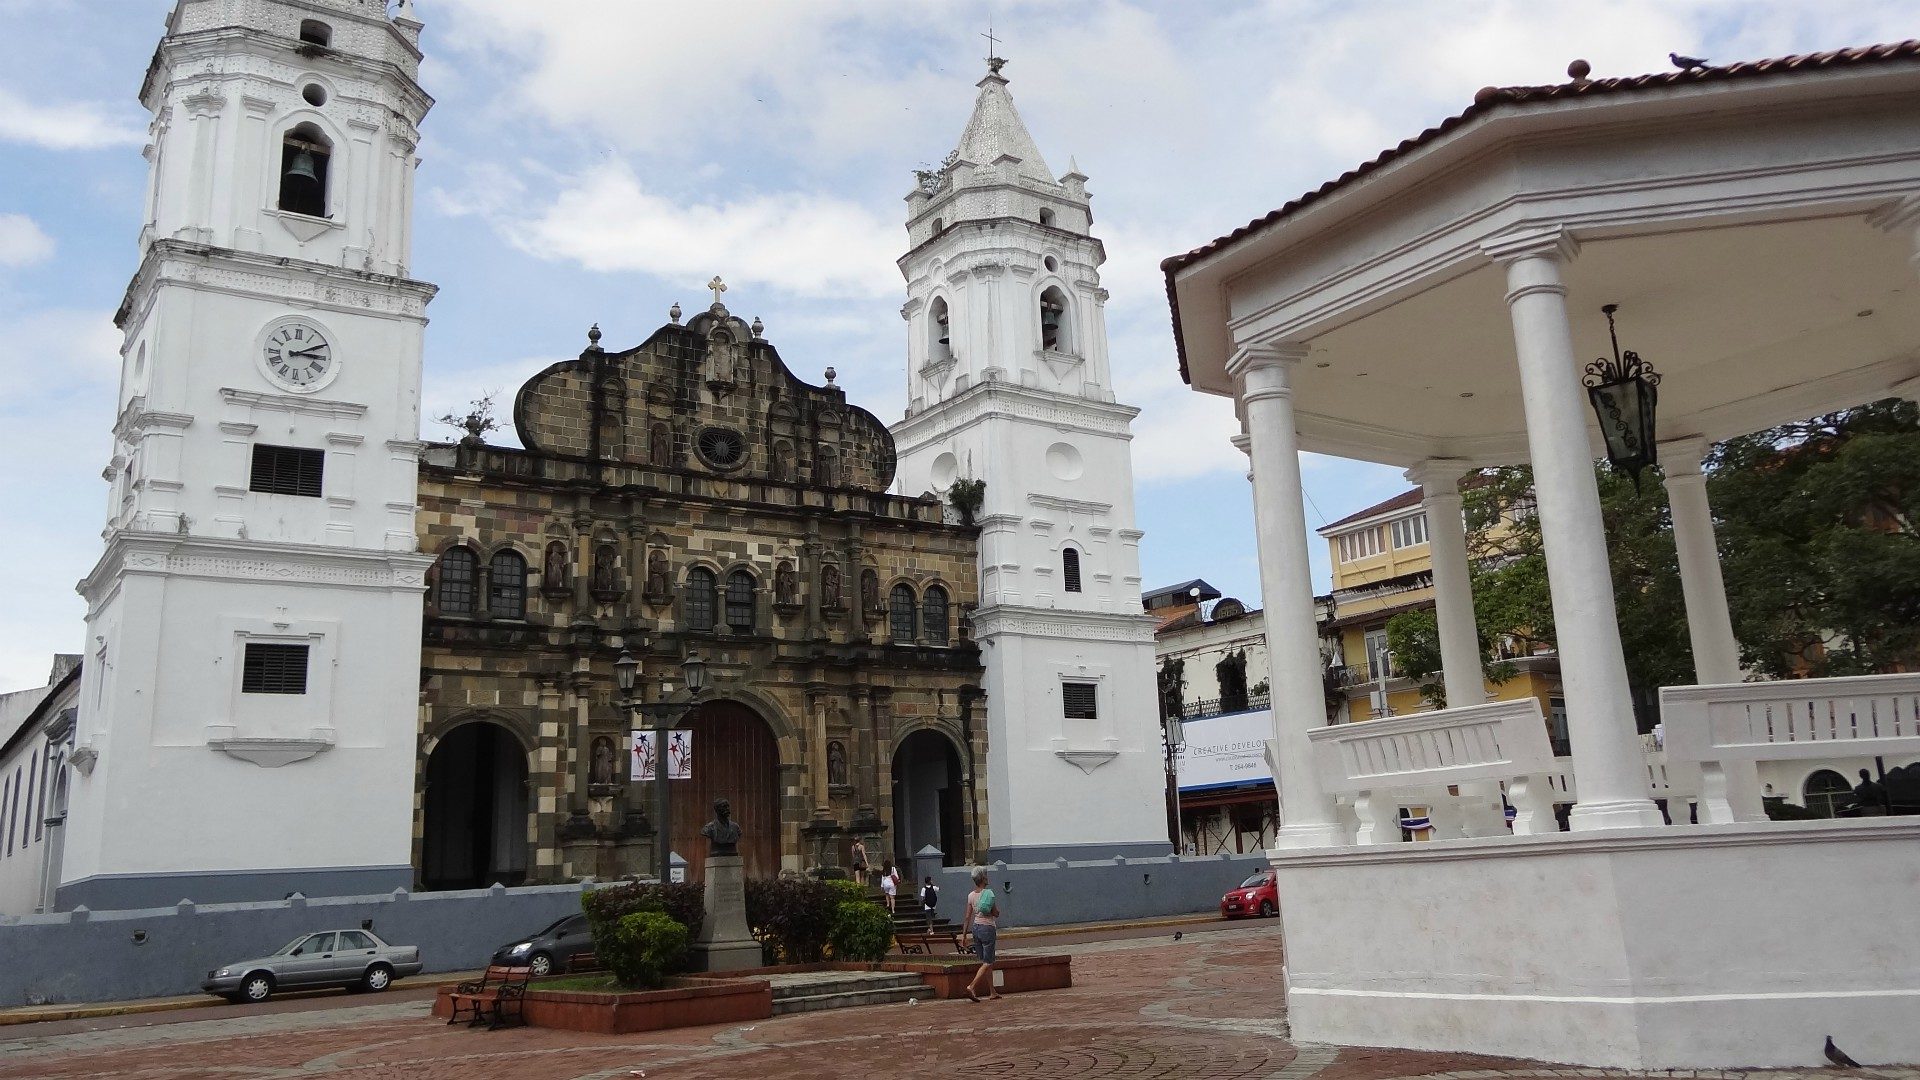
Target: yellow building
1381,567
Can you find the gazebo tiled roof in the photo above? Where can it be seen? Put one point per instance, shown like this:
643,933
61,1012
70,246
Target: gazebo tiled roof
1494,97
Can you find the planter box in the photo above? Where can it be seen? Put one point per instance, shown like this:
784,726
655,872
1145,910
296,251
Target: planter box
689,1002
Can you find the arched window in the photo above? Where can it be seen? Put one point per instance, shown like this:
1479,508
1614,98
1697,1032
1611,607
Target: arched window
1053,321
304,156
507,586
459,584
1046,216
901,613
938,225
1825,792
315,32
933,615
700,598
939,340
740,602
1070,568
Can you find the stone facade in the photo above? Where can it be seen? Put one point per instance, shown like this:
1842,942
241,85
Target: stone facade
696,453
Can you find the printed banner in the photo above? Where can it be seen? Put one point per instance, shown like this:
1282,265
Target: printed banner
679,754
1226,751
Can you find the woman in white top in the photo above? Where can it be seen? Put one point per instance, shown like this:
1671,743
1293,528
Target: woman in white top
889,882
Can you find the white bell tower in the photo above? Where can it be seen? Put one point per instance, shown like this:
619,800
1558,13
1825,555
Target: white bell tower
1009,384
249,699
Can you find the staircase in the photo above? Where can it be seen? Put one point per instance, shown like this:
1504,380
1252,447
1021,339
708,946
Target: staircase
816,990
910,916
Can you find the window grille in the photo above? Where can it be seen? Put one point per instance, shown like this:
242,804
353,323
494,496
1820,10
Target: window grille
287,470
459,581
274,669
700,590
507,586
900,619
740,602
1080,700
1070,568
933,615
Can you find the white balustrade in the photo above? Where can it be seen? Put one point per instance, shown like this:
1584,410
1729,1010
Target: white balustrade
1859,715
1374,759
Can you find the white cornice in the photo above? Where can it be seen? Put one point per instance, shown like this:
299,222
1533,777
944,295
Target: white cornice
1010,619
1076,506
227,559
289,403
1019,404
245,273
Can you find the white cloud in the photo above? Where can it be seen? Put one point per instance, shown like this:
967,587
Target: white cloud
806,243
55,352
62,125
22,243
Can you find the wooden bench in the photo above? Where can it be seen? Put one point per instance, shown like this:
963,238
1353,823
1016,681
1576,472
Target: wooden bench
923,941
586,962
495,999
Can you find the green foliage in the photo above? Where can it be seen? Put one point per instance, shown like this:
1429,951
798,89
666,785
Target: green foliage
643,948
861,930
684,901
848,889
793,916
1414,639
1818,541
967,495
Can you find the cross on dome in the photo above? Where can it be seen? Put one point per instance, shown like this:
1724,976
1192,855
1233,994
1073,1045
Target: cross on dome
718,287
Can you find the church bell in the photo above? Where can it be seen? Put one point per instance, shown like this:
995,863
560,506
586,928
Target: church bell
301,176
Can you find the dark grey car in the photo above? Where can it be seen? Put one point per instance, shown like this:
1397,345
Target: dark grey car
546,952
350,958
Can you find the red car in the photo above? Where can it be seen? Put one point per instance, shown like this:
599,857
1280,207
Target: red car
1254,896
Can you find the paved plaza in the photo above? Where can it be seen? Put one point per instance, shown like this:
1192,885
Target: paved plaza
1204,1007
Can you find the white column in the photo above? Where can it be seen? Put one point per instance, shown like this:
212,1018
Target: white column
1716,654
1608,761
1307,814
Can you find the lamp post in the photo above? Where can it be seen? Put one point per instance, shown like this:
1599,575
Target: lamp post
1624,392
664,715
1176,739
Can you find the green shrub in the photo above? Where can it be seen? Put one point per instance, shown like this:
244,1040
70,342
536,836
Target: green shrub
862,930
791,917
684,901
643,948
845,889
1782,810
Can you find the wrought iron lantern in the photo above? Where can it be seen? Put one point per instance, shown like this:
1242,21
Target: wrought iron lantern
1624,392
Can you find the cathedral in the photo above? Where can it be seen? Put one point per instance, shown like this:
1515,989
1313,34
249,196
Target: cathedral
324,656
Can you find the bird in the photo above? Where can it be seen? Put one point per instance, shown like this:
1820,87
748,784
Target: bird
1839,1057
1686,63
1177,934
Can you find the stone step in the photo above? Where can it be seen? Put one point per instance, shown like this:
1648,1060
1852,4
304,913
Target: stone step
851,999
835,982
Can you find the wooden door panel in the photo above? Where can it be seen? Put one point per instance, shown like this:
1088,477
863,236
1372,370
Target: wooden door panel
734,755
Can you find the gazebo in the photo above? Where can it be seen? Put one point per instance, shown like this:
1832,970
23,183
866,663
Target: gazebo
1758,227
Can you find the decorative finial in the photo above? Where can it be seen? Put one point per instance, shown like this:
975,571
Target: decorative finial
830,376
758,328
718,287
1579,70
405,12
674,313
593,336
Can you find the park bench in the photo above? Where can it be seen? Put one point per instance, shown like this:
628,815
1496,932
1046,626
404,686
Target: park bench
923,941
582,962
495,999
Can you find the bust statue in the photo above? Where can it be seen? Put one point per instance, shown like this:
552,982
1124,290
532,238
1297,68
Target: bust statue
722,833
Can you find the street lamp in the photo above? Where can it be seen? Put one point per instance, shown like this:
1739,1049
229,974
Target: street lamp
1624,391
664,714
1176,738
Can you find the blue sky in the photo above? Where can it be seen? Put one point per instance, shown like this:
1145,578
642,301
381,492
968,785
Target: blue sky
598,160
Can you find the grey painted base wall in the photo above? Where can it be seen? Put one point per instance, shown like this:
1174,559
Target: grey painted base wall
1052,852
1066,891
114,893
84,955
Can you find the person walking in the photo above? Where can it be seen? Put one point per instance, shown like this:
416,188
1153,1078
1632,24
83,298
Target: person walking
890,883
859,861
983,924
930,899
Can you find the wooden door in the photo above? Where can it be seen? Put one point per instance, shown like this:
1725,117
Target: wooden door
734,755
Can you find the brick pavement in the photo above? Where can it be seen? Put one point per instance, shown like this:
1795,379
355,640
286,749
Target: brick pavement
1206,1007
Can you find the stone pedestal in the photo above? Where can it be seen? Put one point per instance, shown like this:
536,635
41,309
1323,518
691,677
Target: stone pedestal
723,943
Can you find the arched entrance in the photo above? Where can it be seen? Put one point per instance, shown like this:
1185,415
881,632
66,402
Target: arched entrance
474,831
929,798
735,755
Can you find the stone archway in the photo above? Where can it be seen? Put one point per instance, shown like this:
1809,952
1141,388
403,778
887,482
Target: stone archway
929,798
474,827
735,754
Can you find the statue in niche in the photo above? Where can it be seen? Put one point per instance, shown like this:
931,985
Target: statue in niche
786,585
830,586
723,833
605,582
601,770
826,469
659,583
553,572
660,446
782,461
837,764
723,358
869,590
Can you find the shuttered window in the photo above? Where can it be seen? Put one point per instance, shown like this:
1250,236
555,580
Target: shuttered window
274,669
287,470
1070,568
1079,700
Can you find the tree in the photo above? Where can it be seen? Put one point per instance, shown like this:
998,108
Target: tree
1818,541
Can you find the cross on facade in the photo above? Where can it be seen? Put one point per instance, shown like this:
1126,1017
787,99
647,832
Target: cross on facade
717,286
993,51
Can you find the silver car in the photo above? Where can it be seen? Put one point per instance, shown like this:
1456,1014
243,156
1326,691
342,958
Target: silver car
352,958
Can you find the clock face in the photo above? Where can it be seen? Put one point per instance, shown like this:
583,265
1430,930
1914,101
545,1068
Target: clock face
297,355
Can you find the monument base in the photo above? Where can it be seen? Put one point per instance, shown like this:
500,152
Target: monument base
723,943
